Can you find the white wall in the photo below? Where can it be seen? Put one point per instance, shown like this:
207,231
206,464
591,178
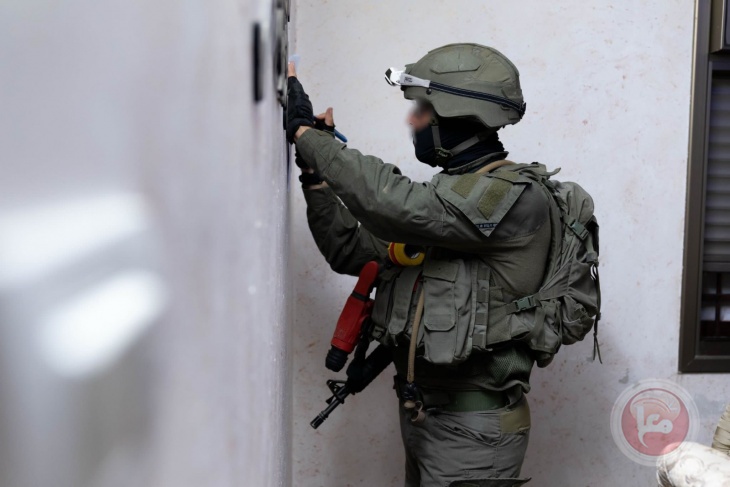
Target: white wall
130,142
607,86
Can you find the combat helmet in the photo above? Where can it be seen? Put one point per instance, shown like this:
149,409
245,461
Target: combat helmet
465,81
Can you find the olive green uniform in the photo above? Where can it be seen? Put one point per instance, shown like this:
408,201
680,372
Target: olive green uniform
488,237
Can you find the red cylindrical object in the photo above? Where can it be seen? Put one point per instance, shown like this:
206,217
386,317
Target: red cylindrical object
356,310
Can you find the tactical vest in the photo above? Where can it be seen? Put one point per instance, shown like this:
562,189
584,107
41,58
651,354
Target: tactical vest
459,294
465,308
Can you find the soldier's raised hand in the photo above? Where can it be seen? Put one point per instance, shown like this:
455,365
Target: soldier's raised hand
299,112
325,121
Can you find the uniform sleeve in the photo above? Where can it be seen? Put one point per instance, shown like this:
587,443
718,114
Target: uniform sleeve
343,242
396,209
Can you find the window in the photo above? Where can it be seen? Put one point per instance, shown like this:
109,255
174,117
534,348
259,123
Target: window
704,344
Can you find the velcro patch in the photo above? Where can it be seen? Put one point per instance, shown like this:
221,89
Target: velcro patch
464,184
493,196
506,175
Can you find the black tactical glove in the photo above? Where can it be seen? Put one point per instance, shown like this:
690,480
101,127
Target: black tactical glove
310,179
358,376
299,160
298,109
306,178
320,124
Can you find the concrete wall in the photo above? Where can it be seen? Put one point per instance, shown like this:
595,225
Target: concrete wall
607,86
143,250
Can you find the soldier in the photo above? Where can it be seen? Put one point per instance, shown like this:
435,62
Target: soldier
460,378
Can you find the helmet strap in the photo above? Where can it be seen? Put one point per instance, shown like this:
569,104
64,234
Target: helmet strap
442,155
470,142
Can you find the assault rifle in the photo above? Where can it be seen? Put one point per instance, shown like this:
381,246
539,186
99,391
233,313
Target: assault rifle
361,372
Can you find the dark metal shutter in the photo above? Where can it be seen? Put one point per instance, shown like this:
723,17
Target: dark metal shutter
715,312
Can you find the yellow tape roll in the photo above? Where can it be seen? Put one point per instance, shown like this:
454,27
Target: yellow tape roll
405,255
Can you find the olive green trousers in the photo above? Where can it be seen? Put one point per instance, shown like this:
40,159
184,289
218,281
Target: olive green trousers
479,448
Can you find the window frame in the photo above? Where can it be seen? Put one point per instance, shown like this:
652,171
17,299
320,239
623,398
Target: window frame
704,64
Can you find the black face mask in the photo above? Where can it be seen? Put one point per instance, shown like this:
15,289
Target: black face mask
454,131
424,144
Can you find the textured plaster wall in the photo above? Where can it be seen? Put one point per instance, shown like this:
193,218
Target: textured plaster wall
152,100
607,86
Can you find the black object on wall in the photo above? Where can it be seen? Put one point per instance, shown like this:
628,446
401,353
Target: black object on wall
257,69
280,42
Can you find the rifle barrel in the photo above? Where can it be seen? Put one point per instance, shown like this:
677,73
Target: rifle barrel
337,399
374,364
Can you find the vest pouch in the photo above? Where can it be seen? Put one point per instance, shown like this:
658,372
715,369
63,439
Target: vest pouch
447,313
382,306
402,301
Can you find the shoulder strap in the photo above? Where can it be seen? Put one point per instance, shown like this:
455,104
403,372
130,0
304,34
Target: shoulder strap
540,174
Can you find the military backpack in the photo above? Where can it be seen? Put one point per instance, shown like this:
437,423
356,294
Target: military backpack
568,303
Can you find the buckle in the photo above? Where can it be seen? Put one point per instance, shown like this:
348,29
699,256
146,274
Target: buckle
528,302
578,228
442,154
377,332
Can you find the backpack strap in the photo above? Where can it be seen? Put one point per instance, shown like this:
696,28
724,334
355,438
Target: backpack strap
593,223
540,174
596,348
